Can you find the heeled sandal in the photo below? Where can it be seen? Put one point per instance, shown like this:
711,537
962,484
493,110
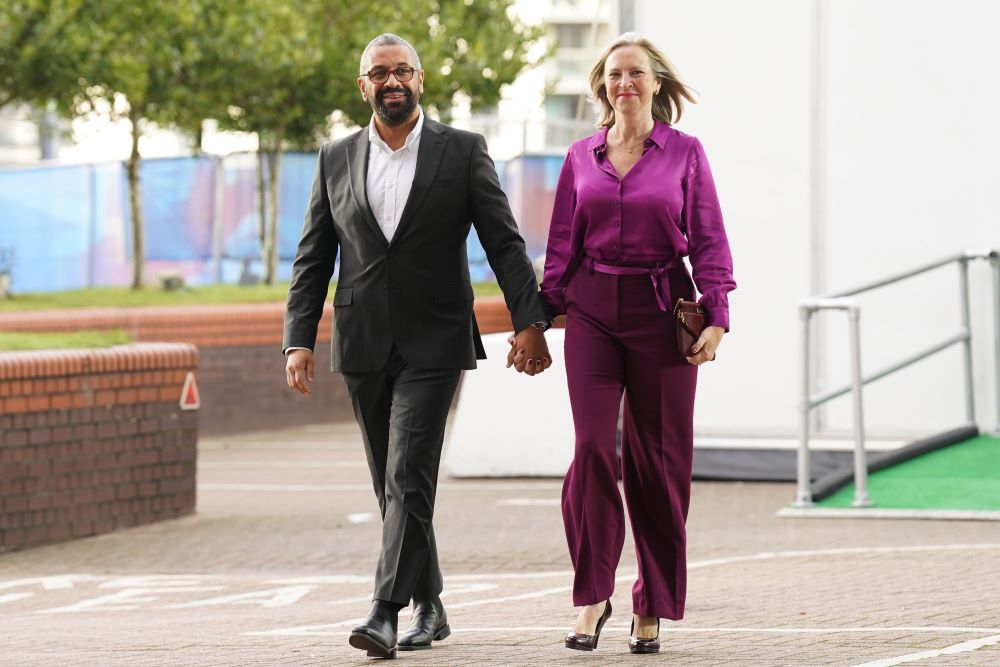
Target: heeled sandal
639,645
582,642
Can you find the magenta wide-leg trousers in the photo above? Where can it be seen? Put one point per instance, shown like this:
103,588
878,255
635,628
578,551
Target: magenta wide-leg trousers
617,339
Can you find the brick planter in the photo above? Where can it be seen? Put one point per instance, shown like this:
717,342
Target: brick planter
94,440
242,377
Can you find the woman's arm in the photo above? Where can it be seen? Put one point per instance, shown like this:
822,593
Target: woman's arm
558,252
708,246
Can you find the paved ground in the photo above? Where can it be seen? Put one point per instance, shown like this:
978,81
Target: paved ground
275,568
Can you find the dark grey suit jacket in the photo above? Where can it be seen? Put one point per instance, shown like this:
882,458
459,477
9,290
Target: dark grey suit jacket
414,292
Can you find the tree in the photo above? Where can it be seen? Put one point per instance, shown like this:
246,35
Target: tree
276,68
287,68
43,45
467,47
144,73
263,65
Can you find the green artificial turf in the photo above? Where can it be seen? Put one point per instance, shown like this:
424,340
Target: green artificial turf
49,341
963,476
122,297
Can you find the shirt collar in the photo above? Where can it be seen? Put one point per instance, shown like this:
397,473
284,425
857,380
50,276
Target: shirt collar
411,138
599,142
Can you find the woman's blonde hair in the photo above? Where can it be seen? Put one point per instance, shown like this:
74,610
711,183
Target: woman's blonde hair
667,104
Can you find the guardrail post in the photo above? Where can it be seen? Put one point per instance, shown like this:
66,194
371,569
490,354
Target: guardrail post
803,494
860,459
970,401
995,263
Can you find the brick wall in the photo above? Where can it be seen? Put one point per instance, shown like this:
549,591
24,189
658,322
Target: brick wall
242,377
93,440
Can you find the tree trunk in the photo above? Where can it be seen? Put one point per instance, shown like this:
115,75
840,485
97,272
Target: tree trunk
199,137
273,186
135,204
261,197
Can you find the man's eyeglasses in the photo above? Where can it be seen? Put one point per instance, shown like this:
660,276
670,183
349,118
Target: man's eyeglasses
379,75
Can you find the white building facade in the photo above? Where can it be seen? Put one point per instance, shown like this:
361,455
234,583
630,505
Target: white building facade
850,141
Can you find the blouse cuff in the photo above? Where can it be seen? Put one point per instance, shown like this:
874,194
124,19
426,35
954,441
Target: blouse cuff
716,316
554,300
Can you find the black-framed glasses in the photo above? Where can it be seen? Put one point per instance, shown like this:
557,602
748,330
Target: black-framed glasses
380,75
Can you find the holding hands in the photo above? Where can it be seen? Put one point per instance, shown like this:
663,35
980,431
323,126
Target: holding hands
529,353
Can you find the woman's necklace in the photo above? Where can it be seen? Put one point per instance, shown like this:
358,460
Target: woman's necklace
621,142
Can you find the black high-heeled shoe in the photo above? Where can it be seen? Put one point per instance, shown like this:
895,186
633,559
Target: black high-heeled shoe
582,642
639,645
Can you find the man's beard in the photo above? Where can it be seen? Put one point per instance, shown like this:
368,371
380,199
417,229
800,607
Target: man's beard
399,112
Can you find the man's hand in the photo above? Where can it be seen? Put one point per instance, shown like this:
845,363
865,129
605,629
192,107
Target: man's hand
704,349
299,370
529,353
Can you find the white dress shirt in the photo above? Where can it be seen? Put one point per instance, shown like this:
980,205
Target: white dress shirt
389,178
390,175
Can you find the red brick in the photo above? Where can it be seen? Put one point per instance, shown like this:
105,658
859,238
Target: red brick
149,394
104,397
15,404
61,402
15,503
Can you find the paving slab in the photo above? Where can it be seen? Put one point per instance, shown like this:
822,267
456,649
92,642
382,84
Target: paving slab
277,564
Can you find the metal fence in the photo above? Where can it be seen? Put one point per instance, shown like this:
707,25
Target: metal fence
68,227
844,301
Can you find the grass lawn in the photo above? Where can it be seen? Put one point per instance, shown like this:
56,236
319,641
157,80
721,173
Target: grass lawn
122,297
48,341
963,476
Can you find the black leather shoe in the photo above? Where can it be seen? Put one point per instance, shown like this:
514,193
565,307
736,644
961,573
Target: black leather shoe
589,642
637,645
429,624
377,633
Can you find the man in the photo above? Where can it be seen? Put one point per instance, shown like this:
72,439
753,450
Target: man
396,199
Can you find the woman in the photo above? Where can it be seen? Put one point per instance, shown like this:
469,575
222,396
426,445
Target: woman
631,202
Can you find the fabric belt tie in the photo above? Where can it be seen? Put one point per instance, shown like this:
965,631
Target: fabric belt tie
655,274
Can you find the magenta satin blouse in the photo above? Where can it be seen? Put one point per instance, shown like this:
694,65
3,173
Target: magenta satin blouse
665,207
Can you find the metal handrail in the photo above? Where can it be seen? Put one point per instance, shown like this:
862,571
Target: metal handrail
843,301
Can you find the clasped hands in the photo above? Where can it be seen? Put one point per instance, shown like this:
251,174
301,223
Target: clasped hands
529,353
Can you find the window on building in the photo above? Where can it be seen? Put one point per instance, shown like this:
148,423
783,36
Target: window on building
561,107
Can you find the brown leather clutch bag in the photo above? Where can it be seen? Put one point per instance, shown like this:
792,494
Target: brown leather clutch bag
690,319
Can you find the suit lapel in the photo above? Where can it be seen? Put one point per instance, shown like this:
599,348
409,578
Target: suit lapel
357,164
432,143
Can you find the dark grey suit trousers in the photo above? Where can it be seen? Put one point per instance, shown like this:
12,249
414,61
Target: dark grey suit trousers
402,413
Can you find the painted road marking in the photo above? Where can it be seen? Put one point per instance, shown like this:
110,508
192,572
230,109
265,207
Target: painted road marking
325,579
323,628
771,555
530,502
127,599
448,578
268,465
707,630
135,591
275,597
446,593
327,488
54,583
964,647
764,556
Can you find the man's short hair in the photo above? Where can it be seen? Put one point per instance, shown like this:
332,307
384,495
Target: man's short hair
388,39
